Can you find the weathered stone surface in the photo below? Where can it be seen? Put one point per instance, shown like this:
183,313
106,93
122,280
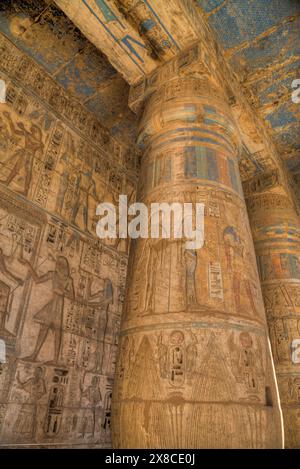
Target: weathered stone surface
194,366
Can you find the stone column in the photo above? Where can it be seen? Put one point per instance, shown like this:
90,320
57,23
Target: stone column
194,367
276,231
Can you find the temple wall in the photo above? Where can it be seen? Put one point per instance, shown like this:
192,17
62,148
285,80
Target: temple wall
61,289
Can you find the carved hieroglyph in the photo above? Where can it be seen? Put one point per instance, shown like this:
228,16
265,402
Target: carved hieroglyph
276,231
194,367
61,289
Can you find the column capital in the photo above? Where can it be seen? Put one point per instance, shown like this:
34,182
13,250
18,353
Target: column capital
192,62
270,189
263,182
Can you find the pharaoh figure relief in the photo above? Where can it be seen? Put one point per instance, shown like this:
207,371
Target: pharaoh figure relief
5,290
22,158
51,315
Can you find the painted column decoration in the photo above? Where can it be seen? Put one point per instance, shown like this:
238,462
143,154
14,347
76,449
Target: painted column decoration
276,232
194,367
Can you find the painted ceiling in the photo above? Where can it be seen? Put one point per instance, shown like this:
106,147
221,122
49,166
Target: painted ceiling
42,30
261,39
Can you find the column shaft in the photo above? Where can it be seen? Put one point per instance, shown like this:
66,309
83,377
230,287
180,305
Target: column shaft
194,368
276,231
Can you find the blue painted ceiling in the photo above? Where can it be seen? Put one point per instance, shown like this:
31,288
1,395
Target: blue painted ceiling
261,39
42,31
